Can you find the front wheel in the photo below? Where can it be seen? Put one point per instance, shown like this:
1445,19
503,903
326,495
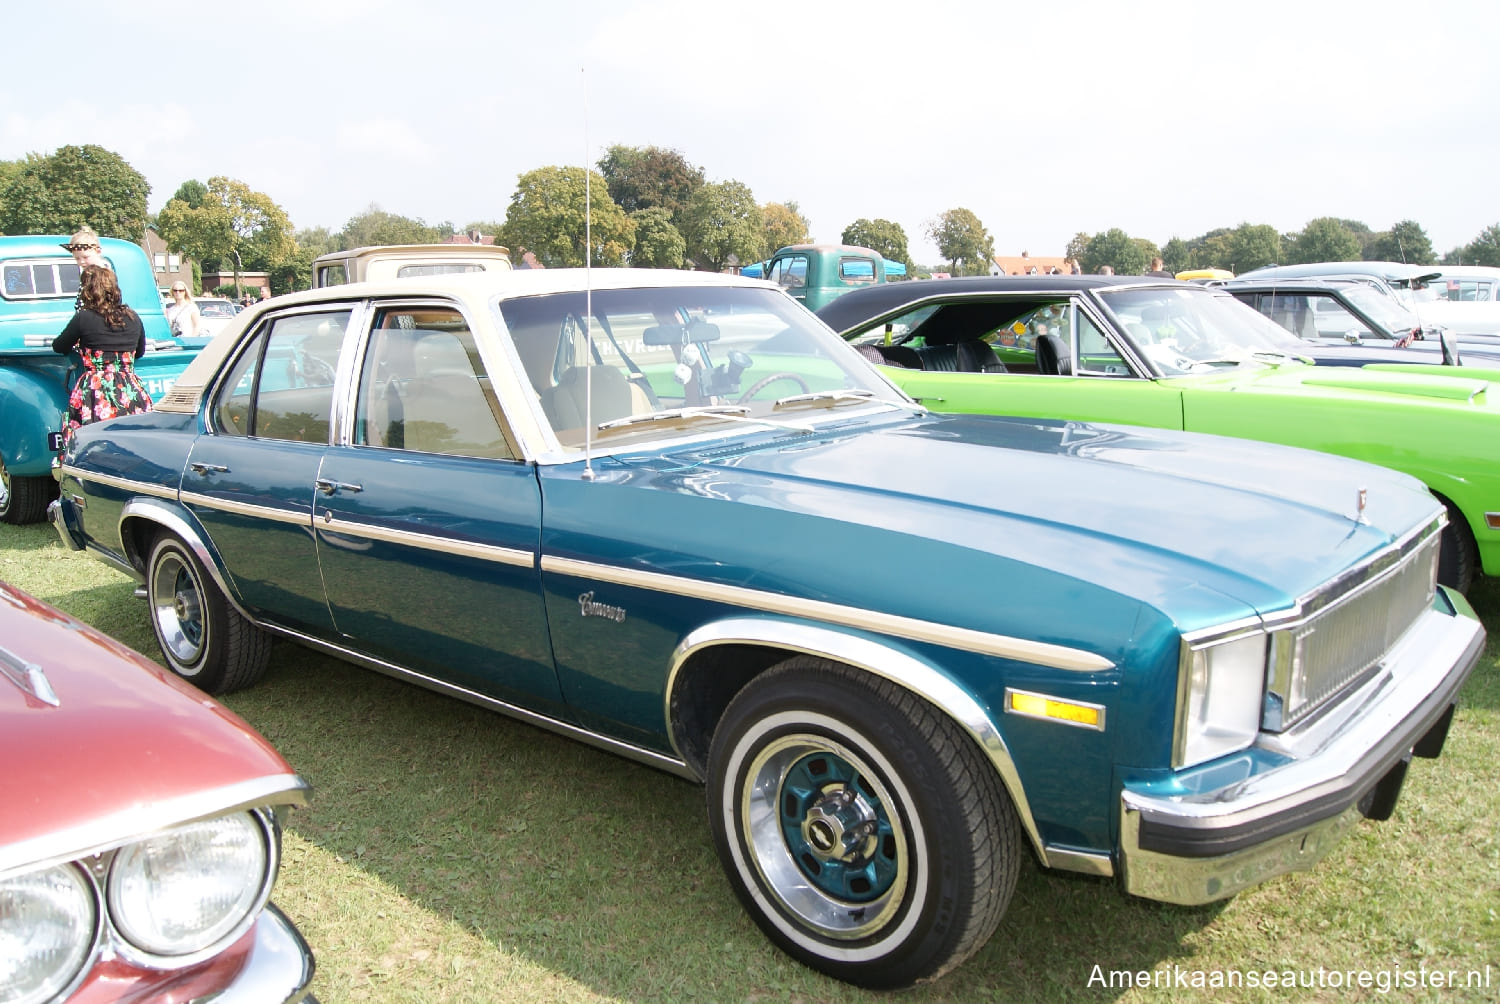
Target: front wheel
862,829
204,640
24,499
1458,555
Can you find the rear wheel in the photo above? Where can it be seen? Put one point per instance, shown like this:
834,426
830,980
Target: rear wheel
861,828
204,639
1458,555
24,499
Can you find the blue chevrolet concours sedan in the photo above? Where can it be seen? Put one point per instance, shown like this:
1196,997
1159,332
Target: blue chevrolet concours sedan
674,516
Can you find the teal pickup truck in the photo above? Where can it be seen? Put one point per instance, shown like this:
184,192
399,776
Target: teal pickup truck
38,288
814,274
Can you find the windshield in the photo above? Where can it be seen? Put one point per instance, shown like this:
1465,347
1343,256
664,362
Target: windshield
1383,310
216,308
1196,330
683,357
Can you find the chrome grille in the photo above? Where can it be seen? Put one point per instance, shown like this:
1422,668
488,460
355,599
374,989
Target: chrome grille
1352,624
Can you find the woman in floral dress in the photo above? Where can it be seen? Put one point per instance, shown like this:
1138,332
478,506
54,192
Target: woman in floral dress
108,337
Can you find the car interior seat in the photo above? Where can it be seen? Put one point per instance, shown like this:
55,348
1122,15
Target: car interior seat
1053,357
609,396
444,407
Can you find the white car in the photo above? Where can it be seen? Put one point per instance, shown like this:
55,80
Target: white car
213,312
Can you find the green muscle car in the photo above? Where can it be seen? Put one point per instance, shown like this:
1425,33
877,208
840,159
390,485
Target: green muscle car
1183,356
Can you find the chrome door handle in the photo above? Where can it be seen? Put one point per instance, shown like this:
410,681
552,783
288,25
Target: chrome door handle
328,487
202,468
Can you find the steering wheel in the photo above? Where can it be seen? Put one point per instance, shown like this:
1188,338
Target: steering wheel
766,381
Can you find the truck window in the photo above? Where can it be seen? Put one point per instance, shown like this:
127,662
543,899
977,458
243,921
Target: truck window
857,270
40,278
790,272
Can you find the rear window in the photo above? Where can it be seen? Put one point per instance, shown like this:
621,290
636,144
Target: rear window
438,268
856,270
39,278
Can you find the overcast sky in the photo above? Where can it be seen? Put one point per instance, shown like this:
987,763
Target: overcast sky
1044,119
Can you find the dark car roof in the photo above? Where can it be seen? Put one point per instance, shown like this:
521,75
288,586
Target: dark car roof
860,305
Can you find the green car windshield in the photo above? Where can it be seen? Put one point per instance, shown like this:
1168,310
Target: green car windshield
1197,331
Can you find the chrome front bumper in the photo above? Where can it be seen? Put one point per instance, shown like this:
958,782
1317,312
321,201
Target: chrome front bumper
1347,762
280,967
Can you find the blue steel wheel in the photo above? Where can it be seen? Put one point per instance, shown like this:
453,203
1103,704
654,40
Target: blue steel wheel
203,639
863,830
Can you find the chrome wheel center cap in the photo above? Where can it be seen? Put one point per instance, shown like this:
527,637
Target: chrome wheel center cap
840,826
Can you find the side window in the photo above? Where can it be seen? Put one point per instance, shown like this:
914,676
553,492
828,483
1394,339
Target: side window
1331,319
281,386
790,272
1095,354
1294,313
422,386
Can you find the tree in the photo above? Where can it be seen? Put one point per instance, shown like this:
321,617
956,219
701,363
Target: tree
1078,247
1117,249
1251,245
1211,250
1176,255
658,244
1406,241
1148,248
963,242
547,217
375,226
722,221
235,226
10,170
640,177
879,235
192,191
1485,249
784,224
76,185
1324,239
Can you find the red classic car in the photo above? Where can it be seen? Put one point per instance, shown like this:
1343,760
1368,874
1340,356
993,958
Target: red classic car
141,832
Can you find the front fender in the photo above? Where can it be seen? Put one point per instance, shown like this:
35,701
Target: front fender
33,399
922,678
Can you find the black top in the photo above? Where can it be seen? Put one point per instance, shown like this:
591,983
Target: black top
92,332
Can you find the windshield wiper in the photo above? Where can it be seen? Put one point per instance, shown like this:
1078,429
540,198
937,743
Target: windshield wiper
827,398
717,412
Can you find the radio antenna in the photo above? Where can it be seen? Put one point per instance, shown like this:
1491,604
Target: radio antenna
588,295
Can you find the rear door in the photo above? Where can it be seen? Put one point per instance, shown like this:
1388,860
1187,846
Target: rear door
250,477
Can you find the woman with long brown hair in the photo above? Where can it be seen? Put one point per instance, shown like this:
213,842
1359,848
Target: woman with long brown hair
108,336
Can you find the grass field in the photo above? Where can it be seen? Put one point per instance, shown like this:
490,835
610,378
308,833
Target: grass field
451,854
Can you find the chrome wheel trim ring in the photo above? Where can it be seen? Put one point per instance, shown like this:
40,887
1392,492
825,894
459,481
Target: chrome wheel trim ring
804,913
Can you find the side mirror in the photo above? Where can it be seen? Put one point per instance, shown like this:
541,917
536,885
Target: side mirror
1450,348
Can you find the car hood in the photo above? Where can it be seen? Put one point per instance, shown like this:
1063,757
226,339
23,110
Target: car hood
1197,526
1473,387
126,748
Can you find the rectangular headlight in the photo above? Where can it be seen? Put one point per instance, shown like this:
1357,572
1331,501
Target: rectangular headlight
1219,697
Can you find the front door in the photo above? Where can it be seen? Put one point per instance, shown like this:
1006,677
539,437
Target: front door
428,524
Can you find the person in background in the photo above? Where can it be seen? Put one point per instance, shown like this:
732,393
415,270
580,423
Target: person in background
1106,270
108,337
183,315
85,248
1158,270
